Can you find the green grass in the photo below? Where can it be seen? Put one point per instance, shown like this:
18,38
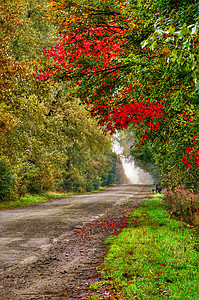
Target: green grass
156,257
34,199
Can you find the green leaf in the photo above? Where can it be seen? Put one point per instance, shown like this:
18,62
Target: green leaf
174,52
171,29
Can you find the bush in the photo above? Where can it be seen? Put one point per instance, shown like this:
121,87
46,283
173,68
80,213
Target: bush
182,203
34,186
94,185
30,179
8,180
73,182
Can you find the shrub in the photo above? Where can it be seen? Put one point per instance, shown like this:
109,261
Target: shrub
30,179
73,182
182,203
8,180
94,185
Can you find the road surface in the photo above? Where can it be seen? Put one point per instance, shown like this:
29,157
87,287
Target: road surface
34,239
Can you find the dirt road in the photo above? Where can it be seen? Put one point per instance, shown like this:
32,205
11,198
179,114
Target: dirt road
50,250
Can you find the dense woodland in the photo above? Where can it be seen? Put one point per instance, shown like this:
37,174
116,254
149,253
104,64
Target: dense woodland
49,141
72,69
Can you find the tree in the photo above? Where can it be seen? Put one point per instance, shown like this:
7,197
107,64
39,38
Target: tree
48,138
134,62
7,180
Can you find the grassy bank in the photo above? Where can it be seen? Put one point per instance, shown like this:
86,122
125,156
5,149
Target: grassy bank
156,257
34,199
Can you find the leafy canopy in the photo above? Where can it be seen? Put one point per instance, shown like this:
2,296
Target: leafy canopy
133,62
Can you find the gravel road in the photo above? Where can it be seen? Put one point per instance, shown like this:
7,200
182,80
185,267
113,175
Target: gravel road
51,250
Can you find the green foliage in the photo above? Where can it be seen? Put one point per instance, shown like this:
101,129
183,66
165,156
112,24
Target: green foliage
116,173
94,185
157,64
161,159
94,287
8,180
50,139
36,34
144,158
73,182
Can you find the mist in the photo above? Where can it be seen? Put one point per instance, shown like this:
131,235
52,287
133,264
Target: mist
135,174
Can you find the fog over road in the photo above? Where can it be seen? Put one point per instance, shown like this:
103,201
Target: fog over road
27,235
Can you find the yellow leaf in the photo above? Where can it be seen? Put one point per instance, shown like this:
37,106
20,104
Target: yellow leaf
151,272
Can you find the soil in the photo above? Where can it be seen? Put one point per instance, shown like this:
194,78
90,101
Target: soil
52,250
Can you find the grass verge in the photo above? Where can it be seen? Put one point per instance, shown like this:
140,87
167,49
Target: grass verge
34,199
156,257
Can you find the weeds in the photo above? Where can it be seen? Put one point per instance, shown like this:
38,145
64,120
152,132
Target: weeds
183,204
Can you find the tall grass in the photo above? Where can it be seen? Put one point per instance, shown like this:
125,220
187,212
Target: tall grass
183,203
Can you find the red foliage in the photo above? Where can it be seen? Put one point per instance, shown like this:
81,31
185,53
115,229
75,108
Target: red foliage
94,45
193,154
100,46
135,112
96,53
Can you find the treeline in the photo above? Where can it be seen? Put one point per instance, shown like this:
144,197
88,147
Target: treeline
135,65
48,139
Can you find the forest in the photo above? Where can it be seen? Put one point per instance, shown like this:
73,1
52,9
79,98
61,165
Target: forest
73,73
49,141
